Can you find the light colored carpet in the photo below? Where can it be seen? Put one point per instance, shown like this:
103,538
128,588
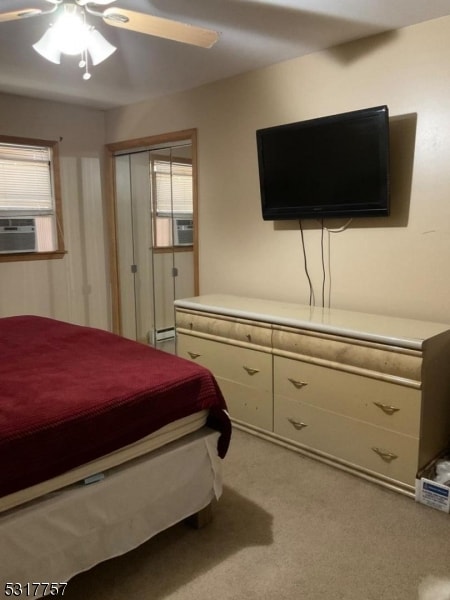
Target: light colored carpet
287,528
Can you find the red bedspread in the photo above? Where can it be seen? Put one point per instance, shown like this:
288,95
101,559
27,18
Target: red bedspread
70,394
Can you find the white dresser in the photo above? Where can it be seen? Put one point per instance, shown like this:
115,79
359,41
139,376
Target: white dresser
366,393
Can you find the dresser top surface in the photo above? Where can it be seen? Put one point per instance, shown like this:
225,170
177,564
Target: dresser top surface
408,333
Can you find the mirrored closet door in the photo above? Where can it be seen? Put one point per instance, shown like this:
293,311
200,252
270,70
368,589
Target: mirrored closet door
155,236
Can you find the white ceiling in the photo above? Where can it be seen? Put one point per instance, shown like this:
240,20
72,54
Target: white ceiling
253,34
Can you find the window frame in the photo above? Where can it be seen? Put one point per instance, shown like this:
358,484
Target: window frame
58,214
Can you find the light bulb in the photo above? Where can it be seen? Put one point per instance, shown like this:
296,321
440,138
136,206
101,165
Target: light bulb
70,33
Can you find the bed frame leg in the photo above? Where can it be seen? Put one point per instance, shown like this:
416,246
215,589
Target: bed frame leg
202,518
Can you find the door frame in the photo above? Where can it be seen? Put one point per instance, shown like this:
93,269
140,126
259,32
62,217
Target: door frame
144,142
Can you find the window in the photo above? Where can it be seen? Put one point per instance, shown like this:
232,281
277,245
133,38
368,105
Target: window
30,200
172,201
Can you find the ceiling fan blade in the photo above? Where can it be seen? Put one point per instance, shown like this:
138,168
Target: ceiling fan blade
160,27
24,13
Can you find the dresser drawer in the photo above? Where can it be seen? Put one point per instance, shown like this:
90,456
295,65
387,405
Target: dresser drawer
244,377
378,450
242,365
382,360
380,403
247,404
236,330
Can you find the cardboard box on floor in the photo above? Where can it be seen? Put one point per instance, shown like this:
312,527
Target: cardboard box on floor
430,492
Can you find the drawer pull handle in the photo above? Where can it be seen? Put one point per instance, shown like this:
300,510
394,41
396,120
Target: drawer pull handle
385,455
251,371
297,424
389,410
194,354
249,337
298,384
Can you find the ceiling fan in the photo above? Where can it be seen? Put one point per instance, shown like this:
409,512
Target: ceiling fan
82,38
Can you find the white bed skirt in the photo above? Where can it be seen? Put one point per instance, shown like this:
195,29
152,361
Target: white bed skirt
69,531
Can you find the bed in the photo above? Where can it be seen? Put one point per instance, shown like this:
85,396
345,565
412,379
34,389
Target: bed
104,442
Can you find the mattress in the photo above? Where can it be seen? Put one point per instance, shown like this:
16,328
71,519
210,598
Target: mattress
69,531
71,394
95,469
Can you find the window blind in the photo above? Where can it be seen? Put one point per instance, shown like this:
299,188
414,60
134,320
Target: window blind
173,187
25,179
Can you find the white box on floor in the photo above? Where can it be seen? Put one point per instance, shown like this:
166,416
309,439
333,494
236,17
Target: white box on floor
430,492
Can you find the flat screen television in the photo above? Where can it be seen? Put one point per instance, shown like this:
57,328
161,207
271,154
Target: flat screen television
333,166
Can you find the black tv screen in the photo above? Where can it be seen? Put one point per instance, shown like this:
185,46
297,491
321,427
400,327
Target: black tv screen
334,166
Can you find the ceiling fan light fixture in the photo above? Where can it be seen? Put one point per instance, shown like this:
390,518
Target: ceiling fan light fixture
72,35
98,47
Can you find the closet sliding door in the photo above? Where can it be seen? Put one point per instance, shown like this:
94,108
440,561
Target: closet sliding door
134,246
155,250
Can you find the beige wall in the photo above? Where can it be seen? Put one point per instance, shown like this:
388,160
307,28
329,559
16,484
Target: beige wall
74,288
397,265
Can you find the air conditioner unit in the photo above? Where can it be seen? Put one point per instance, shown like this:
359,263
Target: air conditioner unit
17,234
183,232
